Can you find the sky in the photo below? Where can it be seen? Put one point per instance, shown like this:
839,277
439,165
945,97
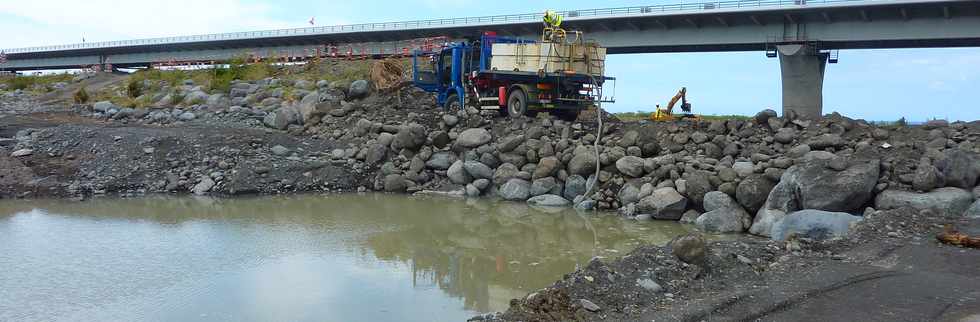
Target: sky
918,84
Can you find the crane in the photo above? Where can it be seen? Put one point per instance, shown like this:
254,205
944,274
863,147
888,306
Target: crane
667,114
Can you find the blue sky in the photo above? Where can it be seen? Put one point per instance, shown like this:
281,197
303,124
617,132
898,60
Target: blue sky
917,84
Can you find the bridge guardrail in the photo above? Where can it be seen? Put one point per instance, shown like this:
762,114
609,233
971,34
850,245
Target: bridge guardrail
432,23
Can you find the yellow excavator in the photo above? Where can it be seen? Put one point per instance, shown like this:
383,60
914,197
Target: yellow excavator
667,114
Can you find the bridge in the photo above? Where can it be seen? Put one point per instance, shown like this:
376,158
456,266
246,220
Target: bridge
804,34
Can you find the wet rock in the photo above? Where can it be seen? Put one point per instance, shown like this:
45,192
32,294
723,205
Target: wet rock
548,201
395,183
690,216
628,194
474,137
204,186
440,160
575,186
664,203
691,248
515,190
478,170
631,166
504,173
544,186
814,224
458,174
950,201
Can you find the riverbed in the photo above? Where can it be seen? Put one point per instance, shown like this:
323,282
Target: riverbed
352,257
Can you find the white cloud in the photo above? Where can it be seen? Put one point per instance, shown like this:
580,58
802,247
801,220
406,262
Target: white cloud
50,22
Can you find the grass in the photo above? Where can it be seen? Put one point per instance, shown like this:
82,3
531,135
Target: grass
40,82
643,115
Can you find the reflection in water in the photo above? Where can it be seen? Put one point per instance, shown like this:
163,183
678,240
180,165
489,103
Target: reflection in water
348,257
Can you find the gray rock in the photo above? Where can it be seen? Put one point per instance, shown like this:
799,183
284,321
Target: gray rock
960,169
744,169
628,194
813,185
753,191
549,201
474,137
764,220
826,141
103,106
588,305
665,203
204,186
376,153
690,248
974,211
478,170
457,173
440,160
814,224
504,173
631,166
546,167
545,186
515,190
698,185
282,118
785,135
927,177
187,116
280,150
196,97
763,116
582,164
723,215
359,89
950,201
718,200
22,153
690,216
575,186
395,183
481,184
649,285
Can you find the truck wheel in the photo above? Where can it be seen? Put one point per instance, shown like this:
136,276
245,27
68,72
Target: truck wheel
452,104
517,103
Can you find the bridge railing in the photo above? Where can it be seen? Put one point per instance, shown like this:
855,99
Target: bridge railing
438,23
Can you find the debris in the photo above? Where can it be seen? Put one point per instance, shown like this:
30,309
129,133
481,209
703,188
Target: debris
387,74
953,237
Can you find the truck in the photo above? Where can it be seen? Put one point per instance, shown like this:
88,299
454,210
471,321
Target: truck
516,77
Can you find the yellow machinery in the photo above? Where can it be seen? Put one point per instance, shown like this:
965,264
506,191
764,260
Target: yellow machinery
667,114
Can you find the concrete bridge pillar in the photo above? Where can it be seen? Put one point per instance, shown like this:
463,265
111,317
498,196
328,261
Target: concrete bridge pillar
802,69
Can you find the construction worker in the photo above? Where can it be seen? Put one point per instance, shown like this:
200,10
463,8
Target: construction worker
552,19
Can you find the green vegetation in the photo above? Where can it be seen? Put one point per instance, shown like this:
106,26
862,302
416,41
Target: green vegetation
40,82
643,115
81,96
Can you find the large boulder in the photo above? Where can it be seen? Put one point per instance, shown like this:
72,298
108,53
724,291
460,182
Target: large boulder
697,186
814,224
395,183
282,118
690,248
826,141
474,137
582,164
103,106
753,191
974,210
723,215
665,203
478,170
815,185
631,166
545,186
515,190
548,201
628,194
457,173
949,200
440,160
546,167
960,168
575,186
504,173
410,137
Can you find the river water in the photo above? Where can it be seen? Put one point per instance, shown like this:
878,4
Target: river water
367,257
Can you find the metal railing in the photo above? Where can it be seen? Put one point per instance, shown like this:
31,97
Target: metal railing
441,23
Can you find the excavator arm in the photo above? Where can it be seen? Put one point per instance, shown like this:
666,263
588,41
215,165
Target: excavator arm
667,113
681,95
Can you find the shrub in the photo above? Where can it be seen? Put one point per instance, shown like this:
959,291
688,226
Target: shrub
81,96
134,88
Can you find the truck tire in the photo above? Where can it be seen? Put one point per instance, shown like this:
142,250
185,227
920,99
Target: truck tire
452,104
517,103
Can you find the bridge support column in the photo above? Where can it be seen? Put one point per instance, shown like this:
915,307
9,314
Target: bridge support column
802,69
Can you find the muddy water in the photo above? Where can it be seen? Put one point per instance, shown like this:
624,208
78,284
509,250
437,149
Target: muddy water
300,258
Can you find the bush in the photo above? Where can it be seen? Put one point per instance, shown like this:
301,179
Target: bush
81,96
21,82
134,88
